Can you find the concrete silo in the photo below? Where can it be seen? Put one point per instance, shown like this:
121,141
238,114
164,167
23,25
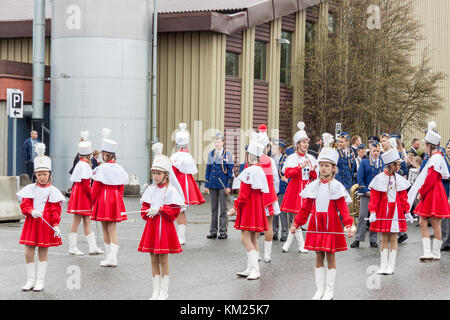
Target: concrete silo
100,58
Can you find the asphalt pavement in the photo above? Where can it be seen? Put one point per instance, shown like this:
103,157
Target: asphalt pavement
206,269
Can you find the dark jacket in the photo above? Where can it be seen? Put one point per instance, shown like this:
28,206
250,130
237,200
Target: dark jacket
28,149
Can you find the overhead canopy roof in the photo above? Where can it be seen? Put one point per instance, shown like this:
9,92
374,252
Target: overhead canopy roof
223,16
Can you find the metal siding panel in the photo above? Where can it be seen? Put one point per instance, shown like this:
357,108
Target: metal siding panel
171,71
187,74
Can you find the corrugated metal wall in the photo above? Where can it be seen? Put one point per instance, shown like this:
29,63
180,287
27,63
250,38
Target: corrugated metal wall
191,89
435,16
3,138
21,50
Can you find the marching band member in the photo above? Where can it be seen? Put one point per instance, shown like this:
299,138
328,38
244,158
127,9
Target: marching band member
300,168
80,203
107,197
433,203
368,170
184,167
249,207
218,178
446,222
323,199
161,204
389,208
355,143
279,156
41,203
270,199
360,155
347,171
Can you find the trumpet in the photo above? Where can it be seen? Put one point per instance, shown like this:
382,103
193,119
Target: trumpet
354,206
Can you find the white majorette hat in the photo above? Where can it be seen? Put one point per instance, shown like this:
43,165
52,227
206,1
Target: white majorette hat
391,156
255,148
328,154
84,135
85,146
108,145
161,162
41,161
301,134
432,136
182,136
263,137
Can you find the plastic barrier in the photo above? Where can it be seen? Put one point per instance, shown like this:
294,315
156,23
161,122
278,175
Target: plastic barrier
9,206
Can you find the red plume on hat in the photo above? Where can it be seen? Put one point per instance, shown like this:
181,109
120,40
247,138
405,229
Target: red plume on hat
262,128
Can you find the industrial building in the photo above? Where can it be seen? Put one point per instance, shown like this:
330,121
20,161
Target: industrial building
223,65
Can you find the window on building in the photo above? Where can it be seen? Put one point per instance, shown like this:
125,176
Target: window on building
309,34
232,64
260,60
286,58
331,22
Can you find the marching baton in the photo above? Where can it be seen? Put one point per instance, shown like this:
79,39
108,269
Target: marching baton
53,228
80,211
324,232
414,219
132,212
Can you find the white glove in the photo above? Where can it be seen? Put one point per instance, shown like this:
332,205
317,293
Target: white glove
57,232
409,218
373,217
36,214
153,212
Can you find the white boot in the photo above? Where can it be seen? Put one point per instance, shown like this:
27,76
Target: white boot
31,277
73,244
267,251
104,263
288,242
320,283
436,253
329,289
427,255
111,258
164,290
156,280
40,275
254,266
301,243
93,249
182,234
246,272
384,258
391,262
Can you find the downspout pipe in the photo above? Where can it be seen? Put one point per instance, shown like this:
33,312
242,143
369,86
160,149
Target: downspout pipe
154,72
38,59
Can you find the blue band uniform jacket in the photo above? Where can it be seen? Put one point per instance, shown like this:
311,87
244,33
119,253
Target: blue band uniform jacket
367,171
219,170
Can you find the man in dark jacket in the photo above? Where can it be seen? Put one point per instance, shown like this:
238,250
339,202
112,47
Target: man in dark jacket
29,152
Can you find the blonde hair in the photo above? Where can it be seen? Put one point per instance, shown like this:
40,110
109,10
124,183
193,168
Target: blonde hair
95,153
108,156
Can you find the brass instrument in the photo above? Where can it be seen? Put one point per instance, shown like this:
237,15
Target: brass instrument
354,206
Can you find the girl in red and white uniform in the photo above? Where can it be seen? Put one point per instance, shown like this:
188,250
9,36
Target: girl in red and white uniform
107,198
249,207
323,199
184,167
161,204
389,208
40,201
301,168
270,199
80,203
433,205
